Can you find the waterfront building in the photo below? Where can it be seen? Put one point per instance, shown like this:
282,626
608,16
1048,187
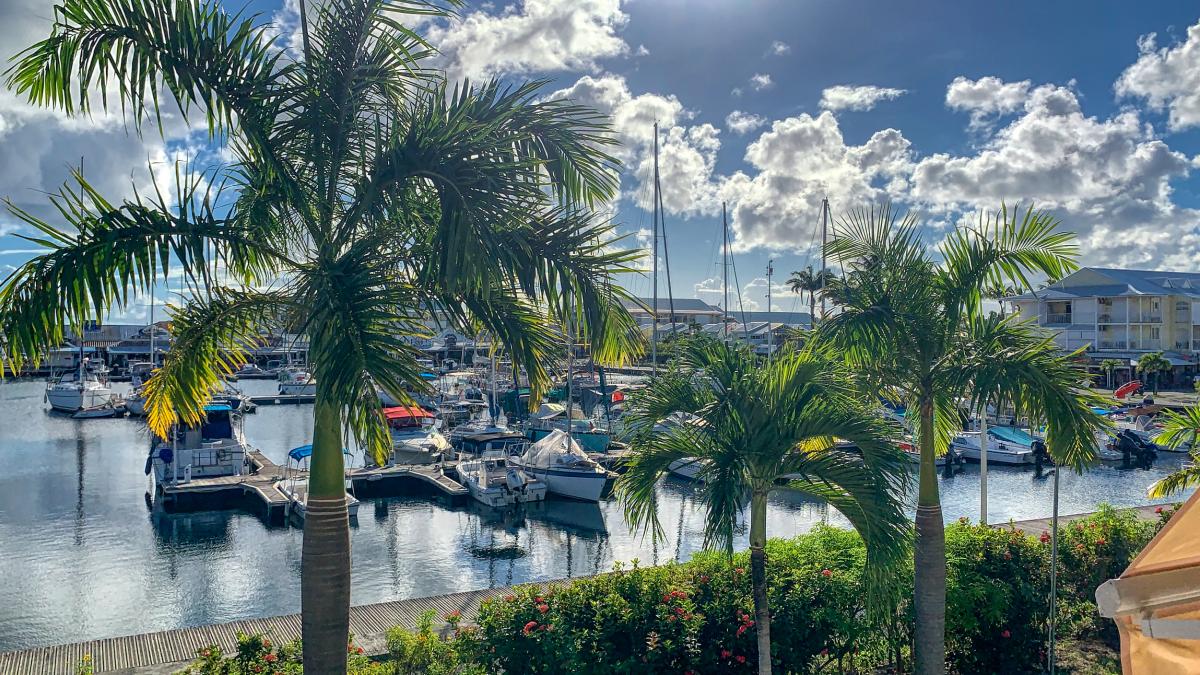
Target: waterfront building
1120,315
686,311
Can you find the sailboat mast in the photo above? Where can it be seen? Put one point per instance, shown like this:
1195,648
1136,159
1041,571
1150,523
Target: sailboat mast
824,239
152,359
725,272
654,283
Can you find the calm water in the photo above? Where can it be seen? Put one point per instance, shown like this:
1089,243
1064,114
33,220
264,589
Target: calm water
84,555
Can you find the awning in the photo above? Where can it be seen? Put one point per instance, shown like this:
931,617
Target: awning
405,412
1156,602
306,451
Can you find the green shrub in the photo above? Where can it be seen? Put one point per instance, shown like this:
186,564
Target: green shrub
424,652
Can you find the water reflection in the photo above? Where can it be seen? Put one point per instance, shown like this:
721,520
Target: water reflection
87,556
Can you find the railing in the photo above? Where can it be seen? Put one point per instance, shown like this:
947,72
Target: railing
1146,318
1111,344
1055,319
1107,318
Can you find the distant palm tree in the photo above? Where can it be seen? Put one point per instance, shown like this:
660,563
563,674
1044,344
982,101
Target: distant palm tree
911,323
1178,429
368,191
998,290
1109,366
756,428
1152,364
813,283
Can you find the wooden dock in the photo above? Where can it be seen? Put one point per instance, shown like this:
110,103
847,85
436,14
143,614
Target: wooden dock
1039,526
282,399
169,651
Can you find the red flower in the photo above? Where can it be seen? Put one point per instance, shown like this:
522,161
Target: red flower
680,611
670,618
257,668
359,650
1079,547
739,570
454,616
725,653
1158,509
666,599
741,659
271,658
509,598
1045,537
266,643
1101,541
704,578
1005,634
529,627
543,608
206,653
741,629
539,600
826,573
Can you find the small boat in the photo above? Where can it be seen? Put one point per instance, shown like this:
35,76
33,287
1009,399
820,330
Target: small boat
139,372
687,467
75,390
415,437
914,454
559,462
110,408
217,447
294,486
1006,445
493,482
552,416
249,370
296,382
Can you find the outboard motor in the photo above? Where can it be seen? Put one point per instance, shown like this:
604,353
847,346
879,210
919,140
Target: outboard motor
1040,456
1135,452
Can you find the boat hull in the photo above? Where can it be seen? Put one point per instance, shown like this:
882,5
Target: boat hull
70,399
585,486
297,389
686,468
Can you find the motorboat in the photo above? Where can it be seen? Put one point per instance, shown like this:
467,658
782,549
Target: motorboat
296,382
559,462
75,390
249,370
497,440
913,453
689,468
492,481
217,447
553,416
415,436
294,484
139,373
111,408
1006,445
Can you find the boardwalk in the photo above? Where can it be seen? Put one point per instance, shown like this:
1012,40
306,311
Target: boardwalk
1039,526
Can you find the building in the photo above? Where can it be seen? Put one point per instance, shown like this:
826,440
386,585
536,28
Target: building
765,337
1121,315
687,310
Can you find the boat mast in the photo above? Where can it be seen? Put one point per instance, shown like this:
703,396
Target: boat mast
152,359
824,238
770,341
725,273
654,262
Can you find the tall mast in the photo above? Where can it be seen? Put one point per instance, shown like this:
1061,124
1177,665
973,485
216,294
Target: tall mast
824,237
654,284
725,270
152,359
770,271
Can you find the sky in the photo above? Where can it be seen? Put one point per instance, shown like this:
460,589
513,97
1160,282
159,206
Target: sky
770,106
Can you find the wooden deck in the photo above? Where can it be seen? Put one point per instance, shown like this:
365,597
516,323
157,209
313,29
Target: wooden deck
168,651
1039,526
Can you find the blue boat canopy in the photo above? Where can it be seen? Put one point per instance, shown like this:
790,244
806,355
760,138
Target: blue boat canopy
306,451
218,407
429,376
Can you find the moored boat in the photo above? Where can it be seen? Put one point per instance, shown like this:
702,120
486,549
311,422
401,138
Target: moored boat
415,437
553,416
559,462
296,382
294,485
78,389
493,482
217,447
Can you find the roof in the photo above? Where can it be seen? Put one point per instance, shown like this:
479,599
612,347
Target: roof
1112,282
682,306
789,318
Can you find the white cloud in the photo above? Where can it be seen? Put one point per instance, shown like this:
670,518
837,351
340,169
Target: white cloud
780,48
844,97
986,98
798,162
761,81
742,122
531,36
1168,78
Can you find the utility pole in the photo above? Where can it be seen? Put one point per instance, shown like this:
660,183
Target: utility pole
654,315
770,341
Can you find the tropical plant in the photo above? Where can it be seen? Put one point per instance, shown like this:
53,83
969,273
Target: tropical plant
1152,364
1180,429
914,331
1108,367
754,427
363,190
813,283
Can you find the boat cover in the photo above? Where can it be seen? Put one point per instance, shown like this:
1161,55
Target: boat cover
556,449
306,451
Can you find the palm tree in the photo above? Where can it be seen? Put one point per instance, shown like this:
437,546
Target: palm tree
756,428
813,283
363,190
915,330
1152,364
1108,367
1179,428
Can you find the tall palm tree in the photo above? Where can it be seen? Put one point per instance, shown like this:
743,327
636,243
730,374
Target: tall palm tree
1178,429
813,283
914,329
1152,364
1109,366
755,428
364,190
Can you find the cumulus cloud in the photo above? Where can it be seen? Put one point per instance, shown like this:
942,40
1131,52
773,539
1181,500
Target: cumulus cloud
798,162
742,122
1168,78
531,36
843,97
761,81
986,98
779,48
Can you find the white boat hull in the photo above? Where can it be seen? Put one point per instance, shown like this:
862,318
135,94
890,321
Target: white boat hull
136,405
582,485
688,468
72,399
998,451
286,389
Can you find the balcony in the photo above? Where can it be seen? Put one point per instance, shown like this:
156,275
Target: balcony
1111,344
1146,318
1107,317
1056,319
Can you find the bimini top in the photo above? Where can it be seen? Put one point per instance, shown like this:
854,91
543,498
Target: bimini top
218,407
306,451
405,411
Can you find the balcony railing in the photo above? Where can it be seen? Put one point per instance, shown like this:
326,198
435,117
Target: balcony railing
1106,317
1111,344
1146,318
1056,319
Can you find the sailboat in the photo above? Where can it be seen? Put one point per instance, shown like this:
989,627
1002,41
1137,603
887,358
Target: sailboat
86,387
559,462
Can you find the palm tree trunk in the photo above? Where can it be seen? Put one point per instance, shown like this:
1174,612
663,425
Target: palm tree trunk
929,582
812,309
758,578
325,560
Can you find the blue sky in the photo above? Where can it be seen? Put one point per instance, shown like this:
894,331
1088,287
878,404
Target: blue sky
943,108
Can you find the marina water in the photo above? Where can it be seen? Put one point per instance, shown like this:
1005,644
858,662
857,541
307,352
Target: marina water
87,555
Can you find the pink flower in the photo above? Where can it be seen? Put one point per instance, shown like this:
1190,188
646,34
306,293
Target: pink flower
725,653
1101,541
271,658
454,616
739,570
1045,537
1005,634
741,659
826,573
741,629
670,618
529,627
1158,509
359,650
509,598
543,608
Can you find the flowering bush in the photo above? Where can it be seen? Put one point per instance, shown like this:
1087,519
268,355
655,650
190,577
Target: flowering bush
258,655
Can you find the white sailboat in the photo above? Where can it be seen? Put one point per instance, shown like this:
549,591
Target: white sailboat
559,462
296,382
78,389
